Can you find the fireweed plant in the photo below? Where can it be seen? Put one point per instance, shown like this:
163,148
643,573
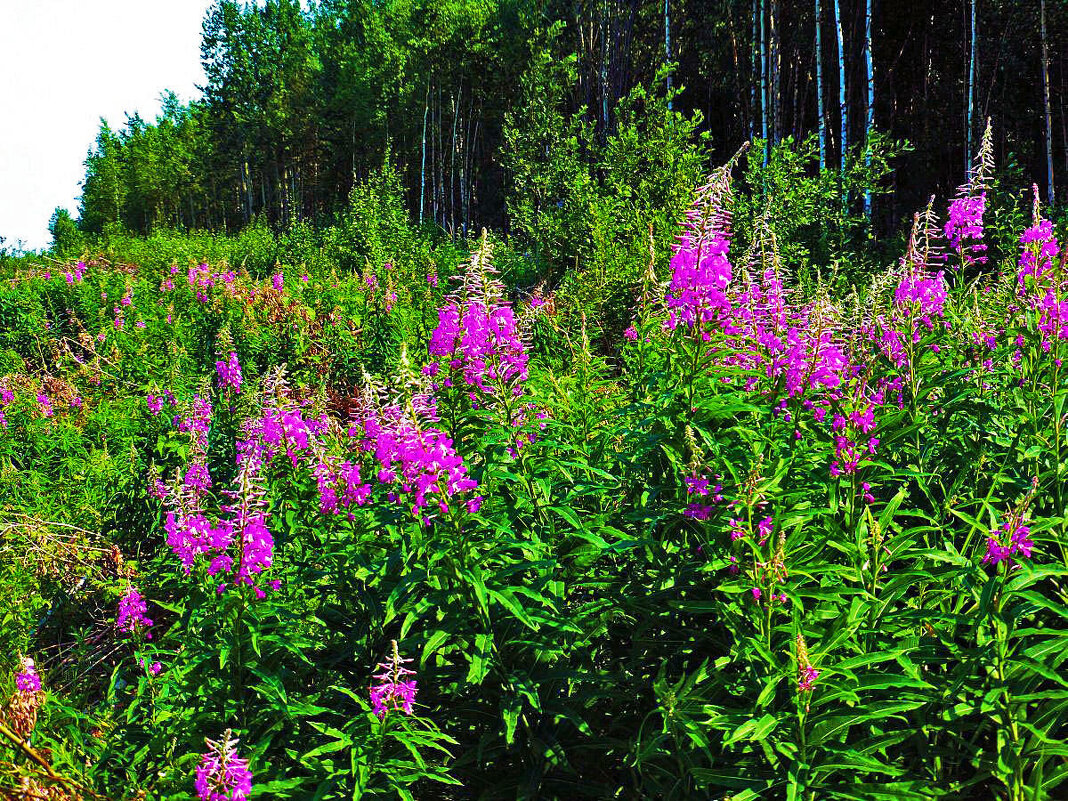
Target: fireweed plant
305,532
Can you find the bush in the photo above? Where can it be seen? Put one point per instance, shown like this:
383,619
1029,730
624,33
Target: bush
372,532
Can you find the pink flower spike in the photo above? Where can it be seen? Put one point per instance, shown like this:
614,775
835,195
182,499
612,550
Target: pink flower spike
222,775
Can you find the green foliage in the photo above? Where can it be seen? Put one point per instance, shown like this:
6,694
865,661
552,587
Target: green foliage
375,228
803,207
104,190
693,566
588,214
543,156
67,240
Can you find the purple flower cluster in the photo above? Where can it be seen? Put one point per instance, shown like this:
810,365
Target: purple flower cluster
28,681
795,346
806,674
812,359
918,300
7,397
340,486
701,486
76,274
700,267
371,281
527,421
853,425
393,689
229,373
1004,544
243,521
190,532
924,293
415,455
153,668
700,273
1040,288
247,521
133,615
481,339
806,679
478,334
1040,248
197,423
222,775
284,428
964,228
201,278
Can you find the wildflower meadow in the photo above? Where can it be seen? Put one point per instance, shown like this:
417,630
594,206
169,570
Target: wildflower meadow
430,529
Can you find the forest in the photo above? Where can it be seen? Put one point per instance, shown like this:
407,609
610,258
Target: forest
487,107
473,400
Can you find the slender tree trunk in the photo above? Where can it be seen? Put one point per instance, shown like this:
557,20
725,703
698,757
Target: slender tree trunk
843,109
819,88
438,156
435,126
763,83
286,199
248,193
213,205
474,141
667,45
869,124
775,69
737,70
604,70
1064,115
755,77
244,195
441,164
800,92
1050,192
422,169
971,93
452,162
465,168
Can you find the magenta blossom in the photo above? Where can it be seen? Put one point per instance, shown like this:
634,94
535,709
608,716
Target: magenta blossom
964,228
133,615
28,681
222,775
1012,539
806,679
229,373
394,689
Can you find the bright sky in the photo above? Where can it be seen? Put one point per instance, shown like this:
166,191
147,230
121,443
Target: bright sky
64,64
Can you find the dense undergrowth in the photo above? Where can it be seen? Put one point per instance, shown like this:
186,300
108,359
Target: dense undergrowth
737,524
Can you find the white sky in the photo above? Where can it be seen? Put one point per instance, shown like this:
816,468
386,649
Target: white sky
64,64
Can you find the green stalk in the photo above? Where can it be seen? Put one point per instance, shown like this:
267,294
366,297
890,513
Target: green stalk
1000,631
